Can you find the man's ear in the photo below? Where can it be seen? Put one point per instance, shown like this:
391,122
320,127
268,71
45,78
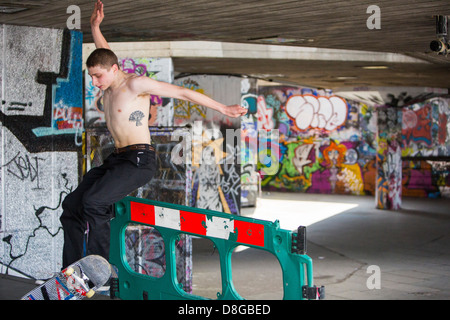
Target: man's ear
115,68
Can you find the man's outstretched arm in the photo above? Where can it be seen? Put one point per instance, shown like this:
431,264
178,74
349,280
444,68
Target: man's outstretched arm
96,19
147,85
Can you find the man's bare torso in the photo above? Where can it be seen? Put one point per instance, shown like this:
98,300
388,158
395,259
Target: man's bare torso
126,114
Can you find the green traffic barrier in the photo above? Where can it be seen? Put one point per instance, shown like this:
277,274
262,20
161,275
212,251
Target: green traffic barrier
225,231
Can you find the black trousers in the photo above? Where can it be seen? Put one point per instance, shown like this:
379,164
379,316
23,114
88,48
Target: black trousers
92,201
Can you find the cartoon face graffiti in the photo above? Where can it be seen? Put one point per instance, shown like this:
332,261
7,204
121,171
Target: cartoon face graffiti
334,154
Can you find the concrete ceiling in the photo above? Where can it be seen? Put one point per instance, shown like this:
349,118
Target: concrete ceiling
406,29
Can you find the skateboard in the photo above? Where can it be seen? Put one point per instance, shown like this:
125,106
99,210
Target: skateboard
79,280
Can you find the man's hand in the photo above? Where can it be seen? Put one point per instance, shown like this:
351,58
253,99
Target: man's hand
97,15
96,19
234,111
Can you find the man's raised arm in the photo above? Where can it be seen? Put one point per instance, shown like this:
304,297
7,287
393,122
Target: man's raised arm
96,19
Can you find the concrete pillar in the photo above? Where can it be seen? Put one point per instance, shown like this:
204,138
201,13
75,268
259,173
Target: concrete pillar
388,190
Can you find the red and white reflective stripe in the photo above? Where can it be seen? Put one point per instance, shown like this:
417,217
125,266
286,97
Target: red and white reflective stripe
205,225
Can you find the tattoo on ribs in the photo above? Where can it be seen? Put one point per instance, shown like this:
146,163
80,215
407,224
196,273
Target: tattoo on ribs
136,116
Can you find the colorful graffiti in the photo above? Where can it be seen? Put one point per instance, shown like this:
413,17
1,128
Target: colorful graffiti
388,157
185,110
41,122
320,148
330,145
250,178
316,112
215,166
47,113
426,128
425,148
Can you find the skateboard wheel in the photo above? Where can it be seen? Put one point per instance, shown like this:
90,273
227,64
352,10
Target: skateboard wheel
69,271
90,293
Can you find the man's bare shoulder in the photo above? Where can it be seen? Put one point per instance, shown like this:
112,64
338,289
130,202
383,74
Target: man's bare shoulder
139,84
143,85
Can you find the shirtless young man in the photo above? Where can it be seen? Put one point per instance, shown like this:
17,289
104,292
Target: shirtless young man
126,100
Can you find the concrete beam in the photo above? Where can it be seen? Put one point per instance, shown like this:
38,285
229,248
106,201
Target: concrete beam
211,49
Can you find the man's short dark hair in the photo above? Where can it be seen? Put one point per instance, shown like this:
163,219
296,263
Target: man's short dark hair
102,57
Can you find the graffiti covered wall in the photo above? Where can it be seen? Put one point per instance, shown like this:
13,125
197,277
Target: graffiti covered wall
426,148
327,144
331,145
215,166
250,179
425,128
41,124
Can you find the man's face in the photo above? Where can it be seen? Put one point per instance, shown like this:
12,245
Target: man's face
101,77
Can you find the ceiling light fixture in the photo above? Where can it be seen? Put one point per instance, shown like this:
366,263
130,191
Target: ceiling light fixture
10,10
346,78
375,67
278,39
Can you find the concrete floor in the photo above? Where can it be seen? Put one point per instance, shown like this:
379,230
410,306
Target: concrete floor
346,235
410,247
